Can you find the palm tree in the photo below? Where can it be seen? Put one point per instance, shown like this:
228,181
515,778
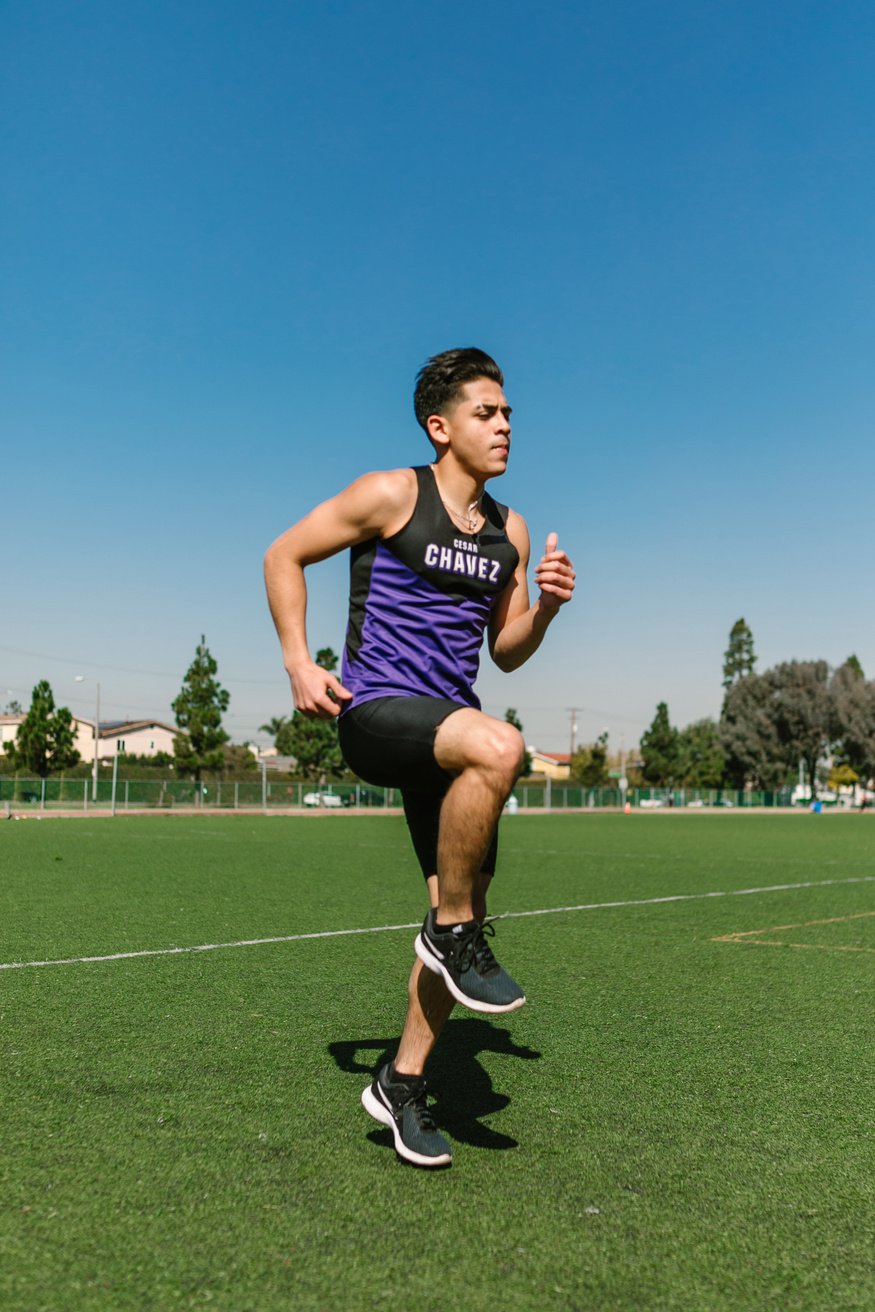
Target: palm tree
274,726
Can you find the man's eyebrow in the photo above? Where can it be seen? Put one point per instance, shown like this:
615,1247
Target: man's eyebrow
491,408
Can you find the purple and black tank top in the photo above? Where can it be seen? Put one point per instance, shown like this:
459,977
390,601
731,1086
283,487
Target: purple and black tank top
419,602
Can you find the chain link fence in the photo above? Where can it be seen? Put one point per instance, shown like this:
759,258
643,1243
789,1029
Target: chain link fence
265,794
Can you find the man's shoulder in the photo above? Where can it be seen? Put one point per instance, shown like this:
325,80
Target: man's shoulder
386,497
388,482
517,531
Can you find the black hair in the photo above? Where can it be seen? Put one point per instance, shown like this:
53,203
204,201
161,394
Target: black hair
441,378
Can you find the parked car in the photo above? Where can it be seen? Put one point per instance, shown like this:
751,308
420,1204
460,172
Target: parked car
322,799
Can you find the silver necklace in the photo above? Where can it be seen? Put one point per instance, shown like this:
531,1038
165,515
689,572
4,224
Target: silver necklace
469,520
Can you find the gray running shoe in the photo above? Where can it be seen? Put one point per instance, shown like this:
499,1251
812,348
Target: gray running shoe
468,966
403,1106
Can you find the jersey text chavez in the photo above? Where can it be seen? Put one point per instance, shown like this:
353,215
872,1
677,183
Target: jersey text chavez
467,562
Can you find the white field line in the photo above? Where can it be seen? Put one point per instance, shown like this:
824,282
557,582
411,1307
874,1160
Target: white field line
388,929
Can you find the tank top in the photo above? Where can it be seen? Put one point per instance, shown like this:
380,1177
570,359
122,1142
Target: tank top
420,601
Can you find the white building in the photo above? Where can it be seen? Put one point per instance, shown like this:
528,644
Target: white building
9,728
134,737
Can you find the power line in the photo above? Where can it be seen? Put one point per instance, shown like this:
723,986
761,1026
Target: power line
128,669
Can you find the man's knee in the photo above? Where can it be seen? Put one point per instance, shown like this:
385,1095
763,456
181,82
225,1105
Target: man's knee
471,739
499,747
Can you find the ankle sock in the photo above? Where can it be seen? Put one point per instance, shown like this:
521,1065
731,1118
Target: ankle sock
399,1077
448,929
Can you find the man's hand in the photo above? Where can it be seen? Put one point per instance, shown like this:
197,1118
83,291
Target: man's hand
554,575
318,693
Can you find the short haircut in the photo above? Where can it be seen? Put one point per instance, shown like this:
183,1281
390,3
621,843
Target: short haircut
441,379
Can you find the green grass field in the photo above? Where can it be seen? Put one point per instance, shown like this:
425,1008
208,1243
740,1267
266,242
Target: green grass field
680,1118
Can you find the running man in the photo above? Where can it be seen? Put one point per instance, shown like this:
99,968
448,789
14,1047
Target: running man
435,565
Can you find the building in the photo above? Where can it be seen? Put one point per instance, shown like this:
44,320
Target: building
552,765
9,729
134,737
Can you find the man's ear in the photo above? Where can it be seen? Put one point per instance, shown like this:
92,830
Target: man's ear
438,432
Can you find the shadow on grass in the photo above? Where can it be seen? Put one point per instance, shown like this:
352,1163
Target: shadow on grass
461,1088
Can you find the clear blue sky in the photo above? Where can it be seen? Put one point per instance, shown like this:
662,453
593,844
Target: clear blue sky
230,235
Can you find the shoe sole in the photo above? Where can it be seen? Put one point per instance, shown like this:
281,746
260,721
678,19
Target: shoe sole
434,964
380,1113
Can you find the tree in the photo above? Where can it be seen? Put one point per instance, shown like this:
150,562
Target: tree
739,660
753,751
802,712
313,743
45,736
13,707
702,759
198,709
589,764
853,664
660,749
238,759
274,726
511,717
842,776
853,723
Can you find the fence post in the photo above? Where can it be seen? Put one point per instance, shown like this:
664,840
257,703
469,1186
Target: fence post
127,786
42,799
85,796
548,793
236,796
114,783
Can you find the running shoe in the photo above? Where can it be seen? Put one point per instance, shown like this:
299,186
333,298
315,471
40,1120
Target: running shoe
402,1105
468,965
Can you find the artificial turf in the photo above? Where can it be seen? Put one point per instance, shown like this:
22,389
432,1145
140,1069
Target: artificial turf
680,1118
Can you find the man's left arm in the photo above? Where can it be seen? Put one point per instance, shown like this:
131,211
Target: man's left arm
517,628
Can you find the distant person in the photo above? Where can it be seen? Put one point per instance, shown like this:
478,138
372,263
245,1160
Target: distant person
435,565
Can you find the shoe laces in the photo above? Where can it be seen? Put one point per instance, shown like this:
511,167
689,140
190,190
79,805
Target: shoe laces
477,953
418,1104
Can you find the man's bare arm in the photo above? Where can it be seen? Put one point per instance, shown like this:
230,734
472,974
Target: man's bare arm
376,505
517,628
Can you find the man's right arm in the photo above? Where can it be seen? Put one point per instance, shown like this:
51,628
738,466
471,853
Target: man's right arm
376,505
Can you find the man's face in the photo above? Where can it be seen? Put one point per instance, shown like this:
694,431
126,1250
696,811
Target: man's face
476,428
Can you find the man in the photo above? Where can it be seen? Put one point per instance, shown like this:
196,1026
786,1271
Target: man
435,565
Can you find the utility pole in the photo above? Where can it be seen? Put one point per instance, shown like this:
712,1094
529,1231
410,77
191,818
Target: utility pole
573,713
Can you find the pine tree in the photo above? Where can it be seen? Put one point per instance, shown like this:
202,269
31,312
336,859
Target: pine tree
739,660
660,749
45,736
198,709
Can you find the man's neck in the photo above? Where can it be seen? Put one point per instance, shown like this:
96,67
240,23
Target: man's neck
457,486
